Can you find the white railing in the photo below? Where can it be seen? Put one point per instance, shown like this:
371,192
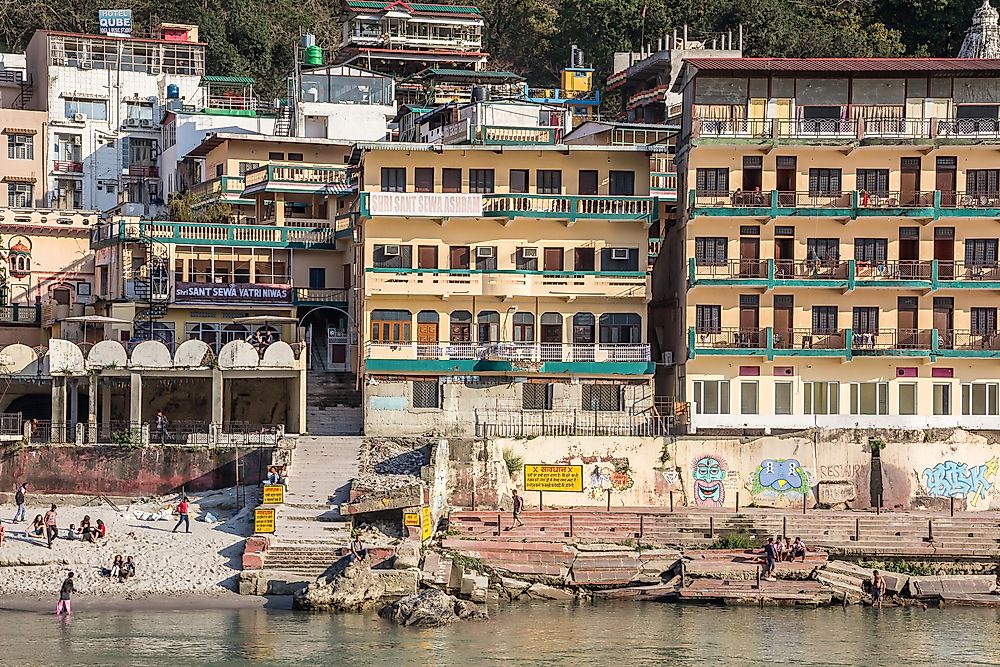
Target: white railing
510,351
506,283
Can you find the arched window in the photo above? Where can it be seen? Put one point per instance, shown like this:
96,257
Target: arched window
461,327
233,332
524,328
489,326
205,332
583,329
390,326
428,317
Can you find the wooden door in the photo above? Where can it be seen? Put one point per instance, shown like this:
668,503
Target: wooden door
750,257
749,320
427,339
946,180
906,308
909,180
784,257
784,306
944,252
944,319
583,259
459,257
427,257
785,174
909,255
552,259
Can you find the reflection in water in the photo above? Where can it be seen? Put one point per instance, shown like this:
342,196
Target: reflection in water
533,634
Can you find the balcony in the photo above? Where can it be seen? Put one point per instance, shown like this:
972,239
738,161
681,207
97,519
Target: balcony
212,234
299,178
845,343
506,283
227,189
570,207
320,296
67,167
560,96
510,135
509,357
21,314
141,171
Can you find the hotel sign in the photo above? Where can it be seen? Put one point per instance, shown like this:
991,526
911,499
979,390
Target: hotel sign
228,293
421,205
115,22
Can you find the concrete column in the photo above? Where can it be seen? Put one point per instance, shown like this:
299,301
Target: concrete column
135,402
279,209
297,404
106,408
92,409
217,385
74,404
58,406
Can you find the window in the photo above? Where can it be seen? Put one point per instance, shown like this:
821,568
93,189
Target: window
423,179
461,327
92,109
983,321
980,252
393,179
710,250
712,182
392,256
821,398
317,277
865,320
620,328
68,194
823,250
20,147
275,156
247,166
451,180
622,183
980,398
524,263
708,319
588,182
548,182
869,398
982,182
874,181
20,195
390,326
873,251
824,182
295,157
536,396
426,395
711,397
824,320
481,180
219,169
488,322
908,398
524,328
602,397
782,398
427,257
942,399
748,398
139,110
619,259
486,258
458,257
519,181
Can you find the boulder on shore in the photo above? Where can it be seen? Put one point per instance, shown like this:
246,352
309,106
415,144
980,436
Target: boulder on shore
432,608
356,587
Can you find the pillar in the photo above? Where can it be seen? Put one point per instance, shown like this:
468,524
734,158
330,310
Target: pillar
106,409
135,399
74,404
92,409
59,408
279,209
297,404
217,386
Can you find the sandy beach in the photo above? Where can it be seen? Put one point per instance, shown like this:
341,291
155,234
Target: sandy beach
205,562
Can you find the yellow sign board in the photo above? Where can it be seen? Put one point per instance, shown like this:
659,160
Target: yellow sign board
411,519
425,520
263,520
274,494
542,477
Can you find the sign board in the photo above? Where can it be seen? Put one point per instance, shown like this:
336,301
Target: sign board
414,204
425,520
542,477
274,494
411,519
115,22
224,294
263,520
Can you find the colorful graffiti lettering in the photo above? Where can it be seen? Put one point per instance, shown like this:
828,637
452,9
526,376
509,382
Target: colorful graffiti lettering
708,473
779,480
615,476
950,479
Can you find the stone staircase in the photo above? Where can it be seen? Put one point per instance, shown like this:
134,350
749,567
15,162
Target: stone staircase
333,405
311,534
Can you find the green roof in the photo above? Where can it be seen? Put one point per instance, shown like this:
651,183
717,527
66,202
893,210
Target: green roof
430,9
233,80
470,74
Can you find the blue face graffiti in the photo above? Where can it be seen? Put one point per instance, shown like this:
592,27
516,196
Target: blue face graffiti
781,475
708,473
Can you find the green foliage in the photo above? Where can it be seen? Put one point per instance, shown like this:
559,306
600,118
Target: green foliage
514,462
181,208
910,567
126,438
738,540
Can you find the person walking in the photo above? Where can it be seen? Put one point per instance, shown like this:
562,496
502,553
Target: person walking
51,527
19,498
771,559
65,593
161,426
878,589
182,509
518,506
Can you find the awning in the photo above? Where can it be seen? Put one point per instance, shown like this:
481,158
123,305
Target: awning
18,179
19,130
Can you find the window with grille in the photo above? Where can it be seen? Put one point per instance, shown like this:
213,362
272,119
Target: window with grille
873,181
824,181
980,398
536,396
712,182
980,252
869,398
602,397
481,180
982,182
983,321
824,250
866,319
393,179
873,251
710,250
20,147
247,166
708,319
20,195
548,182
711,397
426,395
824,320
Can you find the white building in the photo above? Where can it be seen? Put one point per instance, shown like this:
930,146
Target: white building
341,102
105,98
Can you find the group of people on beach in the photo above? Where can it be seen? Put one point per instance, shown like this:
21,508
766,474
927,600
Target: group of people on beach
780,549
121,568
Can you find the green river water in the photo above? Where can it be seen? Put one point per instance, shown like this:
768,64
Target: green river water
602,633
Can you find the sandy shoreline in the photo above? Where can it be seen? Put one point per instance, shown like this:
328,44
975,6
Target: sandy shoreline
187,602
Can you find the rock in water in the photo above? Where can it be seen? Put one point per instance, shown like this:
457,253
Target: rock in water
432,608
353,589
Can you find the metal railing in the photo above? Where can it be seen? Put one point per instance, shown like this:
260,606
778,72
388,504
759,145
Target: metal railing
891,339
975,339
571,205
732,268
47,431
895,199
811,269
817,127
893,269
510,351
809,339
732,337
985,199
321,294
972,128
11,424
734,127
896,127
67,166
533,423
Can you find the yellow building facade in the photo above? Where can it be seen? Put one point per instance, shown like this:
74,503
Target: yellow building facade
841,259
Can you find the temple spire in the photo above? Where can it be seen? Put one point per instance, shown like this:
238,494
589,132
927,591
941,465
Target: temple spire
982,40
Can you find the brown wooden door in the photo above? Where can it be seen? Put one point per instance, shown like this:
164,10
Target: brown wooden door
944,319
946,180
749,257
909,180
427,257
750,320
909,254
944,252
785,180
583,259
427,338
784,306
552,259
784,257
906,309
459,257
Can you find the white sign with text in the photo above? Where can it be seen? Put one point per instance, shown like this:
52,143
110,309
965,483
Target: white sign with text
418,204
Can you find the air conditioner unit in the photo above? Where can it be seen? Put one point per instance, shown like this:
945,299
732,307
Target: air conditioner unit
80,117
484,251
619,253
529,253
86,64
77,139
145,122
130,122
391,251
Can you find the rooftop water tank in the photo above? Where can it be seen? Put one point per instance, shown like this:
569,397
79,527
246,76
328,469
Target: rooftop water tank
480,94
173,92
314,55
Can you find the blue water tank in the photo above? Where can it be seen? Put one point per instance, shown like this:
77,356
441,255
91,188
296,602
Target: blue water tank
173,92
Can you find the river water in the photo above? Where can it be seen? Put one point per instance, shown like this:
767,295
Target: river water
602,633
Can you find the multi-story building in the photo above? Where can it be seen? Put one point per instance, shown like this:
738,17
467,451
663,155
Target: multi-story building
496,122
503,289
841,262
105,98
339,102
576,90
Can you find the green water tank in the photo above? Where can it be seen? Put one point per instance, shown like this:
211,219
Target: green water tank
314,55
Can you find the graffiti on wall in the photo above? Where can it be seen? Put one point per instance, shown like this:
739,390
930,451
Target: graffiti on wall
613,475
709,473
952,479
779,481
